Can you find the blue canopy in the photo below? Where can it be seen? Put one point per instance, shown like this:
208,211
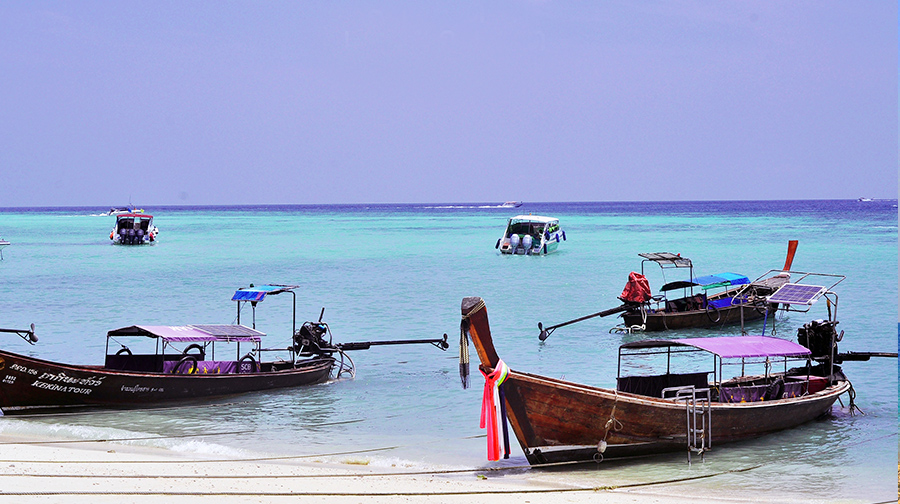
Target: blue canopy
720,280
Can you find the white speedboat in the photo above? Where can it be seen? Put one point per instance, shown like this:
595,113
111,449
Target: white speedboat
123,210
134,229
531,235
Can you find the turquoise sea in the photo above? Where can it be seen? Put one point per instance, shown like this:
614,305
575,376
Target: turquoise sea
386,272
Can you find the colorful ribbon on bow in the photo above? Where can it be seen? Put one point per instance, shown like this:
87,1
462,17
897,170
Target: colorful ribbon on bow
493,414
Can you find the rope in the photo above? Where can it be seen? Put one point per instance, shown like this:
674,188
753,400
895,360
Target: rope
98,409
146,438
474,309
368,494
193,461
464,352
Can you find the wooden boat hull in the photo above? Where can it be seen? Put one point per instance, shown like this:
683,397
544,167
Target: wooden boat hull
662,321
559,421
28,383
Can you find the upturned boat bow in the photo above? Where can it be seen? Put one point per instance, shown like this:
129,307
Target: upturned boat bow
561,421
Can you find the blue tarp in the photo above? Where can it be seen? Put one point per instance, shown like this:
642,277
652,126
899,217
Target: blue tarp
720,280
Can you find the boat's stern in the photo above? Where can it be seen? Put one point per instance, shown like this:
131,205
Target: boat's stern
531,236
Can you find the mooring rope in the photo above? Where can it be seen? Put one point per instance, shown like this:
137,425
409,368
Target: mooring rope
115,440
195,461
369,494
100,410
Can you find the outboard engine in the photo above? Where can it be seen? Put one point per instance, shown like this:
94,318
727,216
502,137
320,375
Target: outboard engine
527,241
821,337
513,242
310,339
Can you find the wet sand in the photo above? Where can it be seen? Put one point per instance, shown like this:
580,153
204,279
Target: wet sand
36,470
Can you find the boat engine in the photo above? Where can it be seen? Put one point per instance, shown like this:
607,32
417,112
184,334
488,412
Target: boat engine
310,339
527,241
821,337
513,242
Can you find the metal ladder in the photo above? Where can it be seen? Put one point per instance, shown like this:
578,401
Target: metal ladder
699,416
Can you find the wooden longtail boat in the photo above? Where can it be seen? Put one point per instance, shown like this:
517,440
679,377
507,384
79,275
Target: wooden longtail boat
186,362
740,300
29,384
560,421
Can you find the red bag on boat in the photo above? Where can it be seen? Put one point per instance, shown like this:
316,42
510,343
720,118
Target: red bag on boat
637,290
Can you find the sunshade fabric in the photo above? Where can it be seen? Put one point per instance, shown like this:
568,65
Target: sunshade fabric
730,347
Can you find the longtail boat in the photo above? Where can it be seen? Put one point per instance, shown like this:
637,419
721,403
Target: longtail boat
692,302
561,421
696,303
186,362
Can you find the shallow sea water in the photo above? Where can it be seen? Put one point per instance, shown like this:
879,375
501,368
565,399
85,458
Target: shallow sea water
400,271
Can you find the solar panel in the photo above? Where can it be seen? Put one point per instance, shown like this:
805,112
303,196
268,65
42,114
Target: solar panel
797,294
228,330
667,258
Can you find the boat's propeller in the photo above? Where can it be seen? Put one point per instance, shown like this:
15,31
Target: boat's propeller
26,334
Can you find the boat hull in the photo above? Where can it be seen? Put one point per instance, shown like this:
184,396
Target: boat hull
559,421
662,321
28,384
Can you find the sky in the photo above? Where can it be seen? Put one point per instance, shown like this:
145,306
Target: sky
315,102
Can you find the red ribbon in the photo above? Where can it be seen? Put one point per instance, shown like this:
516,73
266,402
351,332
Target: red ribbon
491,417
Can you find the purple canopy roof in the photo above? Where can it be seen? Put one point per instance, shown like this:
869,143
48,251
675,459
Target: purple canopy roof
191,332
730,347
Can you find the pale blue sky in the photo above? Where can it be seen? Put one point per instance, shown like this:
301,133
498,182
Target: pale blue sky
401,102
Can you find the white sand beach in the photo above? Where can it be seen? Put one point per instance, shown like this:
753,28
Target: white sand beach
33,470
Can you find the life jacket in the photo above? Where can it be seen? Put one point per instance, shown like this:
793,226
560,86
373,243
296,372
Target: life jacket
637,290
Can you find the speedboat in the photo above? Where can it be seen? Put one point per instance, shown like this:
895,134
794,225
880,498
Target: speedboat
511,204
531,235
124,210
134,229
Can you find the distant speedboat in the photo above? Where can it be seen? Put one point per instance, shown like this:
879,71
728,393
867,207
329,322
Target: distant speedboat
865,199
530,235
134,229
124,210
511,204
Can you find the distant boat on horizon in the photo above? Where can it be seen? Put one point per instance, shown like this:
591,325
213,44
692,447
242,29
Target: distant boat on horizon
511,204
